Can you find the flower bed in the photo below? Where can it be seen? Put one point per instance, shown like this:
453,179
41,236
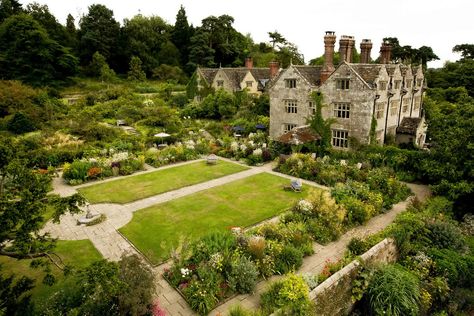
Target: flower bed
252,150
111,164
359,179
212,269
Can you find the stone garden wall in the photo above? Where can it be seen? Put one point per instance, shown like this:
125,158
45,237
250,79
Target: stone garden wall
333,296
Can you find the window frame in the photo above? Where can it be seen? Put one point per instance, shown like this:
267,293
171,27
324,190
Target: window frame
340,138
343,84
341,110
290,83
288,127
291,106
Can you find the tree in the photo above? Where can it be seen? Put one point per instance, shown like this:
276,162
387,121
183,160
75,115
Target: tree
24,200
100,69
145,37
169,54
426,54
71,31
20,124
107,288
55,30
276,38
466,50
200,54
14,299
136,73
28,54
99,32
9,8
181,35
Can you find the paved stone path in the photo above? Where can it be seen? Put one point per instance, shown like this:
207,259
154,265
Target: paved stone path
112,245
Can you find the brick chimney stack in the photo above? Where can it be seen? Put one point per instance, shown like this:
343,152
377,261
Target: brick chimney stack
328,67
365,48
346,47
274,67
249,63
385,53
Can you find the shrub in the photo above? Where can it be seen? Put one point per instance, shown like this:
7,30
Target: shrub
444,234
200,297
358,212
291,294
321,233
357,246
218,241
289,259
243,275
393,290
77,170
256,247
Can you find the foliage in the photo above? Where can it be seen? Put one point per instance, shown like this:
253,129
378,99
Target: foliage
97,220
393,290
320,125
27,53
135,72
289,259
290,294
20,124
243,275
357,246
13,300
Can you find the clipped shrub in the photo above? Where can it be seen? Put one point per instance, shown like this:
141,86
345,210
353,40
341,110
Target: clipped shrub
243,275
393,290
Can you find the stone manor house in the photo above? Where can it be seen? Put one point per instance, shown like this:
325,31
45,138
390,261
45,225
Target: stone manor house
353,93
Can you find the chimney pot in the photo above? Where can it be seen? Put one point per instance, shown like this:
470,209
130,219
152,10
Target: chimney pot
385,52
365,49
249,62
274,67
328,67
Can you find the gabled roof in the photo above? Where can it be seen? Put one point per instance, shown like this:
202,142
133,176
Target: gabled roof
208,74
391,69
311,73
406,70
236,75
409,125
368,72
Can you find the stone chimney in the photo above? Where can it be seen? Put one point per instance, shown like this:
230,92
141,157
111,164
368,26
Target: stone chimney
346,48
249,63
385,53
328,67
365,48
274,67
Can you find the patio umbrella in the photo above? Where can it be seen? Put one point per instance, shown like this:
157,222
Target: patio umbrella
238,129
260,126
162,135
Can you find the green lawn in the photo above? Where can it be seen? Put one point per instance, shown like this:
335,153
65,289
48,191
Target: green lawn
157,229
78,253
149,184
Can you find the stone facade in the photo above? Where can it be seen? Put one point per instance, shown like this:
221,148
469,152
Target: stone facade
353,94
254,80
333,297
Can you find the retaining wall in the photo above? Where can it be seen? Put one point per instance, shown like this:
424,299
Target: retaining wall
334,295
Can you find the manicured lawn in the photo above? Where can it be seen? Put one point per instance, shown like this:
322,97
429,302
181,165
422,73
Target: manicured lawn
157,229
79,254
149,184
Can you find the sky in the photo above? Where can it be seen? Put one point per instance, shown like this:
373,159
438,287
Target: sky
439,24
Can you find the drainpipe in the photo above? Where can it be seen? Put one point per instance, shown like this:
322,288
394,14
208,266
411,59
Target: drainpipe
402,94
390,95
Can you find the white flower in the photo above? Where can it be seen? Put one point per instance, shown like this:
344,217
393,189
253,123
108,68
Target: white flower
148,102
243,147
264,145
305,205
120,156
251,143
251,135
190,132
234,146
185,272
343,162
257,152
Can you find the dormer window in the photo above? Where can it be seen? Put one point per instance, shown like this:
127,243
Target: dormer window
342,84
220,83
249,84
397,84
382,85
290,83
408,84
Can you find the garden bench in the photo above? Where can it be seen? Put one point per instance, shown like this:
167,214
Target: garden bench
295,185
211,159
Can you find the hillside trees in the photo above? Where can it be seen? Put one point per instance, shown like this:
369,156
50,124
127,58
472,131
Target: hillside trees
99,32
181,35
9,8
27,53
